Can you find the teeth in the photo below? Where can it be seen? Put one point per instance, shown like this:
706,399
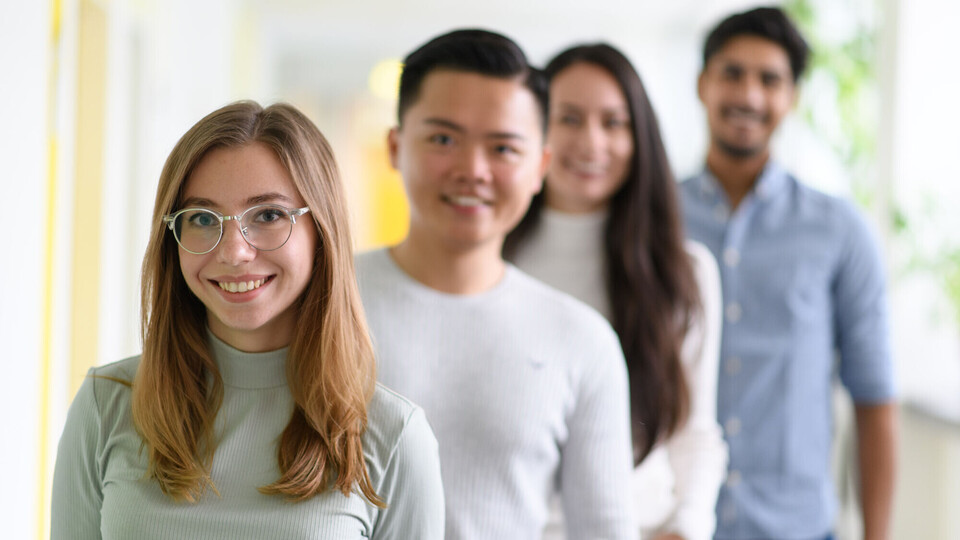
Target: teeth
738,112
464,200
241,286
589,167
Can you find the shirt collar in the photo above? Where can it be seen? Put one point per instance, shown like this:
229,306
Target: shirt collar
773,179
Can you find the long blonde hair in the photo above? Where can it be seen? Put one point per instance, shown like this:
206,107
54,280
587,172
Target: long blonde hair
330,365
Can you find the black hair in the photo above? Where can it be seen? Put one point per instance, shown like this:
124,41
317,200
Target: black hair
767,22
649,276
471,51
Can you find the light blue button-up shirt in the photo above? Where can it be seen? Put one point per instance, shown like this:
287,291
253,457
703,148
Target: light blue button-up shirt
803,284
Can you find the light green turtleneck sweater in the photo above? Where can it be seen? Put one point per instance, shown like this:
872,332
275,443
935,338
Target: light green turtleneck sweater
100,489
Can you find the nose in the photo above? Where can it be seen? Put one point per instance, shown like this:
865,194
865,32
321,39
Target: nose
751,91
475,164
233,249
591,137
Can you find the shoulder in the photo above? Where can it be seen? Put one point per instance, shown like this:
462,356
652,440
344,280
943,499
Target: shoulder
706,270
125,369
820,203
394,422
700,256
371,263
103,399
110,382
839,217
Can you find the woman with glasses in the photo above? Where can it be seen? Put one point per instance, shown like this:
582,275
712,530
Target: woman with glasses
606,228
253,411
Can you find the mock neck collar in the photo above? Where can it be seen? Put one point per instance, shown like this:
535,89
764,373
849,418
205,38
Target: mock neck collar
249,370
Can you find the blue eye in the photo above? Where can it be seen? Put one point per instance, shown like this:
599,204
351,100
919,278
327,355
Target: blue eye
203,218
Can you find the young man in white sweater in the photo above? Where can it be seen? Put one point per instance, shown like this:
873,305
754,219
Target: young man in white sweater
524,386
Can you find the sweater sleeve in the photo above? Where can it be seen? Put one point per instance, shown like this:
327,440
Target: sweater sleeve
77,486
597,458
697,452
411,486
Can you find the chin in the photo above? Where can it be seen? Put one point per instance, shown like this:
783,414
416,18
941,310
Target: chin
739,150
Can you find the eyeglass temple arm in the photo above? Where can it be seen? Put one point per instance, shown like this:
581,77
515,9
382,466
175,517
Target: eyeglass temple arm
294,214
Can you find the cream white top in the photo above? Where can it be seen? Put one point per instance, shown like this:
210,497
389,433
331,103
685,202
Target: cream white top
675,488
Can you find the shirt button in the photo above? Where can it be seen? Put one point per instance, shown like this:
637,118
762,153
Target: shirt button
731,257
732,426
720,213
733,478
732,365
734,312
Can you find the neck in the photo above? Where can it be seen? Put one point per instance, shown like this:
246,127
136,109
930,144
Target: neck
449,269
270,337
736,174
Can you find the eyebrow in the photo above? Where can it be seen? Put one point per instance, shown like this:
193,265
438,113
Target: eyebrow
624,109
263,198
453,126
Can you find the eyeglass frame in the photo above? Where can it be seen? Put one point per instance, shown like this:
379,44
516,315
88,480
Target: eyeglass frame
294,213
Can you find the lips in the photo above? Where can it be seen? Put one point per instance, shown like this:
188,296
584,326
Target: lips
586,168
743,114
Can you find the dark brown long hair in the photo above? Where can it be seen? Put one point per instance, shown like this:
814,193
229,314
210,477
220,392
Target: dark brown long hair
649,276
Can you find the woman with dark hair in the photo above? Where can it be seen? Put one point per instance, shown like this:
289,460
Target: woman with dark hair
607,230
253,411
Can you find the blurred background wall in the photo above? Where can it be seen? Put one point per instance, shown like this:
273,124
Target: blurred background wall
96,92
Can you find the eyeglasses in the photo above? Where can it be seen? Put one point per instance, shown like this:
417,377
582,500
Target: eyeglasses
266,227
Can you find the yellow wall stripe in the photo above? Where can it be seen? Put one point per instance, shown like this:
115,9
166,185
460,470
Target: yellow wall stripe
46,331
88,190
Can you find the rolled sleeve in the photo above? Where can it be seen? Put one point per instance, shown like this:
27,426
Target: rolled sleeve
861,317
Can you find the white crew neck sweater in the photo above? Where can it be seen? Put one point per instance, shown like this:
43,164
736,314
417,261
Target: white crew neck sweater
675,487
526,390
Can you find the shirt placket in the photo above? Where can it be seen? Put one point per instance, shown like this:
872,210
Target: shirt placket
731,364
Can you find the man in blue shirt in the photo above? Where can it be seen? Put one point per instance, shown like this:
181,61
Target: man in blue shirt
804,299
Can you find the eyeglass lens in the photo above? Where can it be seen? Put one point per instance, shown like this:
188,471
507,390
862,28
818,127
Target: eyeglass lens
264,227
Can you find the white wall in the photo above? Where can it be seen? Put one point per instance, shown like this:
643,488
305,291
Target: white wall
24,50
170,62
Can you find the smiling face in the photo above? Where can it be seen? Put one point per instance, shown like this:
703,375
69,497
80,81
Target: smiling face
471,154
747,88
591,138
250,295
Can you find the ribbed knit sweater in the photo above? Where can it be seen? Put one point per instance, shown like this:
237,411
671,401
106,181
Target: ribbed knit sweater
100,488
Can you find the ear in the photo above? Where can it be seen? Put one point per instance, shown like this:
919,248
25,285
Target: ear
393,145
544,165
700,84
795,96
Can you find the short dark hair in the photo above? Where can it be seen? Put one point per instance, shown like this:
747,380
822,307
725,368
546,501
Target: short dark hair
767,22
471,51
